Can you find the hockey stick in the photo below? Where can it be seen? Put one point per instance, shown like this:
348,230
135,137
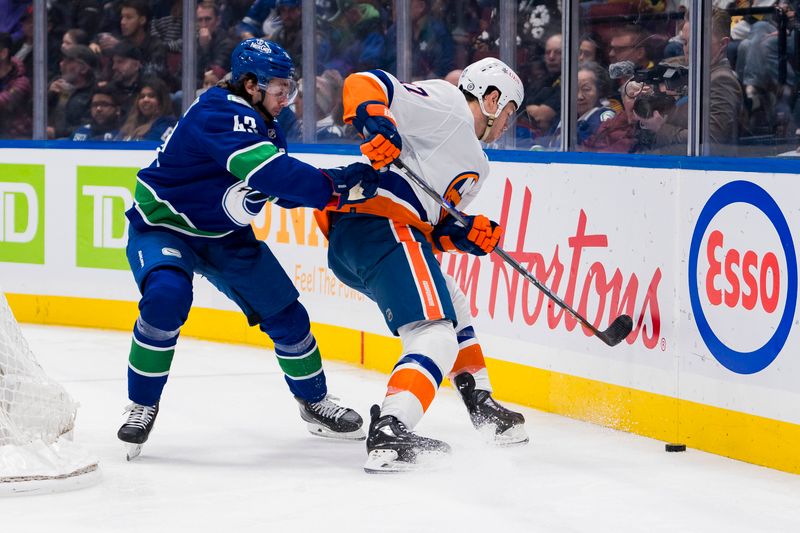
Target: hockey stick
613,335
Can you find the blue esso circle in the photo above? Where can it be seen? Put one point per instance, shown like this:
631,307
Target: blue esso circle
759,359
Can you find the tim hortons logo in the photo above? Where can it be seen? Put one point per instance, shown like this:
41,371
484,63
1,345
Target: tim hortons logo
608,294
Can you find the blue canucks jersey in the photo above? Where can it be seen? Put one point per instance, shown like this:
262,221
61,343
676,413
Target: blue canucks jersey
218,168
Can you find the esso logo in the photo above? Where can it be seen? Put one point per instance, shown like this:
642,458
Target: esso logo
751,280
743,277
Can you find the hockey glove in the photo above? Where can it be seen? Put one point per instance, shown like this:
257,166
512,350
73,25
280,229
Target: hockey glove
382,143
354,183
479,237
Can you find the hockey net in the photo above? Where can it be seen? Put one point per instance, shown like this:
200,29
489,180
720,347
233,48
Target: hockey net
37,417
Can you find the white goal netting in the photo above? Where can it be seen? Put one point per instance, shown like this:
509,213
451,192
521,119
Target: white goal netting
37,417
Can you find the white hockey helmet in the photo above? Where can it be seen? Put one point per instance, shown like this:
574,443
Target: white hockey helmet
491,72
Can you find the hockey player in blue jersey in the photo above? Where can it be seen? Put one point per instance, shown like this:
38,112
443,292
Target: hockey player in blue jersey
192,211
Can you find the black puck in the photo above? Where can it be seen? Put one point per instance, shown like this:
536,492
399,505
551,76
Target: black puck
675,447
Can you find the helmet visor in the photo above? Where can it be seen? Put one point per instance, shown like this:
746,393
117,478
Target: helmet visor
282,88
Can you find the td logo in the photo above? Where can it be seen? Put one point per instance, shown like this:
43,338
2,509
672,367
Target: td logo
104,193
743,277
22,213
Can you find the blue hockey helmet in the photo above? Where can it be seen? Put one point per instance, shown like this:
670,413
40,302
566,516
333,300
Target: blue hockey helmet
264,59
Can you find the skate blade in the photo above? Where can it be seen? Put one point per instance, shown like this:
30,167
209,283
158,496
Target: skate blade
513,436
133,451
385,462
322,431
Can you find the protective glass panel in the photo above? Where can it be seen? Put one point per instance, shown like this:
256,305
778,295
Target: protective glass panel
633,78
539,55
754,85
16,68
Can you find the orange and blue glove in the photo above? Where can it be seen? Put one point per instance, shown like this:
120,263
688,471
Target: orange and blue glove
382,143
478,237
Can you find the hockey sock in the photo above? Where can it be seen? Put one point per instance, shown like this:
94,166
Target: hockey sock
297,352
416,377
164,307
470,359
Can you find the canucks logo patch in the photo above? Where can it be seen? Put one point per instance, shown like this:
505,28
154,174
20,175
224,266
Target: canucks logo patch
171,252
607,115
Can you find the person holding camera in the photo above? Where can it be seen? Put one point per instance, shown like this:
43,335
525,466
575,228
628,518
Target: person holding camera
660,107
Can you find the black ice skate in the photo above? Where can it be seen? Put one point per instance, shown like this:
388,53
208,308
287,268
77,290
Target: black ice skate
137,428
392,448
328,419
499,425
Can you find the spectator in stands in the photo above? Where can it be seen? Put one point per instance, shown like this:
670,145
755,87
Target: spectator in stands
677,45
24,52
289,33
357,38
151,118
67,14
126,73
543,106
69,95
167,25
210,79
232,12
214,47
618,135
133,25
330,124
251,25
628,44
587,49
15,94
106,115
594,88
757,66
432,48
725,91
74,36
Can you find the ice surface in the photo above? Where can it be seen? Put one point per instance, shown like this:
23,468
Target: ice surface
229,453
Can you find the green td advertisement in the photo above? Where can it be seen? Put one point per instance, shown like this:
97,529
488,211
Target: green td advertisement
104,193
22,213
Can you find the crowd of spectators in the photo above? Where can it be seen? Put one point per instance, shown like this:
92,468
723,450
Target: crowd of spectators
114,66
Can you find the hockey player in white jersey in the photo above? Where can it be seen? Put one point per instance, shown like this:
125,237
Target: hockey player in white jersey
384,247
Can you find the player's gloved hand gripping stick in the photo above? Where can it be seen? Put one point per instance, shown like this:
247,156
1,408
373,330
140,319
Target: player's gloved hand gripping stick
473,234
613,335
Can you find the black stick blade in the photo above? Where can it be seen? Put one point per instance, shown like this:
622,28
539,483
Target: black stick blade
617,331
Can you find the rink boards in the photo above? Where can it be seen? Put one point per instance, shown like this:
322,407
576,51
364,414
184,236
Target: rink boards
700,252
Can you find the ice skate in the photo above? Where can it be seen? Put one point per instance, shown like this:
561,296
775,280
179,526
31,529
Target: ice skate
136,429
392,448
326,418
500,426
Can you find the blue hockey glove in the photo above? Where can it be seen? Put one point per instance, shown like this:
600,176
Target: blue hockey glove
354,183
479,237
382,143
